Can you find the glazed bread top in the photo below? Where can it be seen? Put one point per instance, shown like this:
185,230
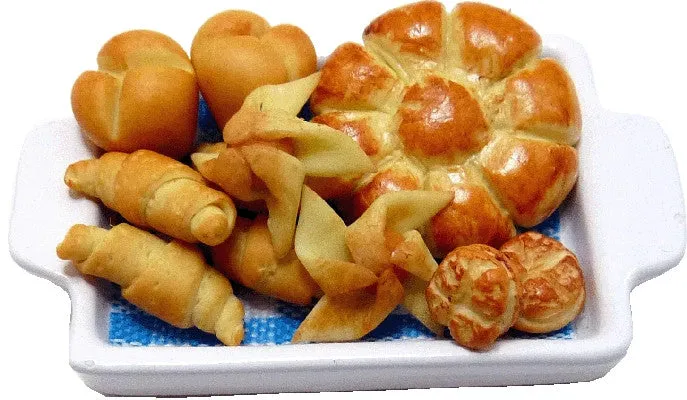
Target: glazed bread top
143,96
456,101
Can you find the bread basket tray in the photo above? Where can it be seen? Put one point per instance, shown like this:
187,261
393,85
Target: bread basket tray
626,223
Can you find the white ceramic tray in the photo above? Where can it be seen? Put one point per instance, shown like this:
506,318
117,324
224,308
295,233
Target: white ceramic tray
625,220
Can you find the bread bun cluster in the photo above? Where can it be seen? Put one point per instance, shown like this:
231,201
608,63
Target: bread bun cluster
532,283
145,93
456,101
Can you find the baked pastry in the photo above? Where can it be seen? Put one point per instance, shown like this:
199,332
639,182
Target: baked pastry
367,269
143,96
475,292
248,257
268,154
553,283
152,190
168,280
236,51
456,101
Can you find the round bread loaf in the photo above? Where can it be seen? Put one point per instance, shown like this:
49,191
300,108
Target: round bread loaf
143,96
456,101
553,283
236,51
474,292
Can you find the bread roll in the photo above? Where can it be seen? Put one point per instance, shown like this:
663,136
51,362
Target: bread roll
553,283
168,280
456,101
143,96
152,190
475,292
235,52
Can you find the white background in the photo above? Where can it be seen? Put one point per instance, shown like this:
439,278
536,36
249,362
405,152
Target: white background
637,52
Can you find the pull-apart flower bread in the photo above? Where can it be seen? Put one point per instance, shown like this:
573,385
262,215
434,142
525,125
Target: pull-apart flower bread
269,153
457,101
367,269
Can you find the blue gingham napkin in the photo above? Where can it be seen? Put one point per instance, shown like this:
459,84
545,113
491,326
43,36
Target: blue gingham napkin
269,321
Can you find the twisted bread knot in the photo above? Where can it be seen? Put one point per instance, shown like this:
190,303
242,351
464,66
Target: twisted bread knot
456,101
235,52
143,96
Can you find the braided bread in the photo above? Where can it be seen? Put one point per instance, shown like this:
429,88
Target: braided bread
143,96
456,101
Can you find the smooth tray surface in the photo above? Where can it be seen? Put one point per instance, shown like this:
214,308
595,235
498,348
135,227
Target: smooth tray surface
617,204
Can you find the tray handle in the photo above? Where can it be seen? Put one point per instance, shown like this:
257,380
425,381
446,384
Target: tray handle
43,208
638,207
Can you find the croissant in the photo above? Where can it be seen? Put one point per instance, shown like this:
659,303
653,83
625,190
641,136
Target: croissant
168,280
248,257
457,101
152,190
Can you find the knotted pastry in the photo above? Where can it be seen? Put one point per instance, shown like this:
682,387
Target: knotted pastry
143,96
152,190
248,257
553,283
475,292
268,153
456,101
235,52
168,280
367,269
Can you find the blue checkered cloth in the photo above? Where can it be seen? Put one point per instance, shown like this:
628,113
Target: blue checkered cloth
269,321
272,322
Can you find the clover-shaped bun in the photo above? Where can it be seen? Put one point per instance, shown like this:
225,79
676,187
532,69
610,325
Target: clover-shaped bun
456,101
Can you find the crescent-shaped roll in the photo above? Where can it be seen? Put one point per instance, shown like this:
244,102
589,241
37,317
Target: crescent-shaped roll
249,258
152,190
168,280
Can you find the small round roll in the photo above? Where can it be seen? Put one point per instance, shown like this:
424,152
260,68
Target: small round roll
553,283
144,95
237,51
474,292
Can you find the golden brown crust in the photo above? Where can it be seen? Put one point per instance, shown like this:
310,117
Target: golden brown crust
531,177
143,96
352,80
152,190
415,28
553,283
168,280
492,41
458,88
441,118
472,217
475,293
235,52
249,258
